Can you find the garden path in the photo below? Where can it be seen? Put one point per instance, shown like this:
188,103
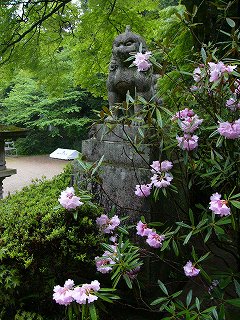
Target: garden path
28,168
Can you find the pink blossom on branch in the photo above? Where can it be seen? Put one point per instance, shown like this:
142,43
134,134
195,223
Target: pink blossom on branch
106,224
142,229
183,114
103,264
230,130
190,270
163,166
63,295
197,74
142,61
86,293
219,206
68,199
232,104
155,240
217,70
190,124
162,179
188,142
143,190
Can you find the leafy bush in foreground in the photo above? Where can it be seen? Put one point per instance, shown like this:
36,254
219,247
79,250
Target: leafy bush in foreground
42,244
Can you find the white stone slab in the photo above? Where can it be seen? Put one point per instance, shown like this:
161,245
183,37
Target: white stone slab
64,154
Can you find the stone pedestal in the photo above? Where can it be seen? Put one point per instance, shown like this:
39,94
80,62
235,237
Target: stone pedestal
122,169
7,132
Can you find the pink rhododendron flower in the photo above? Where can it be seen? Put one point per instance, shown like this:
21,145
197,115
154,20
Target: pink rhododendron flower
143,190
142,229
230,130
165,166
155,166
218,69
63,295
161,167
190,124
219,206
197,74
155,240
232,104
190,270
68,199
161,180
103,264
183,114
107,225
85,293
187,142
141,61
113,238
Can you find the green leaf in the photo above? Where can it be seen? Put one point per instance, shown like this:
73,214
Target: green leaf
230,22
182,224
197,302
175,247
235,203
191,217
189,298
97,165
234,302
208,235
128,281
158,301
159,118
237,287
92,310
162,287
203,257
235,196
187,238
204,55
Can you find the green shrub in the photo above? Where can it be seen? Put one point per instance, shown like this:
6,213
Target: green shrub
42,245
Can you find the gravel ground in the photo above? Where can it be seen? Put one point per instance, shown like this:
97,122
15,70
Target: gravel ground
28,168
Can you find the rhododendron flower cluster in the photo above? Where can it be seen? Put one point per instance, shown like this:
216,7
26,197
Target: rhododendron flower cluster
230,130
215,71
68,199
188,142
80,294
153,238
104,263
143,190
108,258
161,178
106,224
232,104
188,122
142,61
218,70
190,270
219,206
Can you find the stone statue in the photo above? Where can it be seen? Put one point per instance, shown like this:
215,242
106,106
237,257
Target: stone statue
123,78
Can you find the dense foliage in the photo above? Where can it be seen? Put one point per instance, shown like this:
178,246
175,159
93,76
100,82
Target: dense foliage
41,245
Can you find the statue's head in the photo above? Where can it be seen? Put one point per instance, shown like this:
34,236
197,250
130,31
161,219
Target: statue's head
128,42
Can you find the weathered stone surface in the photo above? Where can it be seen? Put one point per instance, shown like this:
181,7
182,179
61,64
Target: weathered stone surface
122,169
115,152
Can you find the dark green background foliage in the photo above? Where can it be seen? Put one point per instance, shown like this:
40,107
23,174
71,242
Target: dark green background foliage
59,120
41,245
